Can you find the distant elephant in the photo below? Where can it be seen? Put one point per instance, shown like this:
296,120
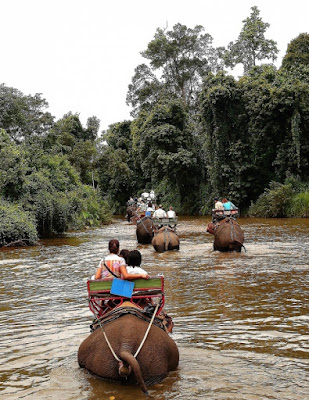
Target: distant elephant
144,230
158,355
228,235
165,239
131,211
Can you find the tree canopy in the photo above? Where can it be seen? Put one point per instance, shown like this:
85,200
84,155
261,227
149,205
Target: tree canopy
251,45
179,59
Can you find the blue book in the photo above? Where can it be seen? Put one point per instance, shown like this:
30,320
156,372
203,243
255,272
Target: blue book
121,287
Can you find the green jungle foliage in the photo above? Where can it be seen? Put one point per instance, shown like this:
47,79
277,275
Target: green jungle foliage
197,132
281,200
16,225
299,205
45,179
273,202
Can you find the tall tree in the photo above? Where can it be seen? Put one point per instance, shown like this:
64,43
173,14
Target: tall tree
225,144
297,52
144,90
23,116
118,136
92,129
114,176
13,168
251,46
182,57
164,148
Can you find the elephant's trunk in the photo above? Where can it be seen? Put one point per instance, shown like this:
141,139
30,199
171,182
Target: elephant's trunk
133,363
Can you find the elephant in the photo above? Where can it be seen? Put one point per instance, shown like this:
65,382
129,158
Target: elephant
228,235
145,230
131,212
158,355
165,239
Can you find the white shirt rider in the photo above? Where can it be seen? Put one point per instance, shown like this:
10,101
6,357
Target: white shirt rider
159,213
171,213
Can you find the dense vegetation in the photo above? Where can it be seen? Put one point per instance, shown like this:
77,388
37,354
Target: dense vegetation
196,132
47,183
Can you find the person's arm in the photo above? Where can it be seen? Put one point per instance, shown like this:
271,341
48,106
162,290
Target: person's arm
130,277
98,274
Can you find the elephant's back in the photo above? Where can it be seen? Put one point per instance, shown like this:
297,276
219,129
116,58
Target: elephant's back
158,354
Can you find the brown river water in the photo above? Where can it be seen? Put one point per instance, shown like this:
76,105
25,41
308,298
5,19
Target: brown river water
241,319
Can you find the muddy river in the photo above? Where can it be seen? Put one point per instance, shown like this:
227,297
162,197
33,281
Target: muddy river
241,319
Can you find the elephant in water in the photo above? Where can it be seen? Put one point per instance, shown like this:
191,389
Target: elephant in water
131,212
144,230
158,355
165,239
228,235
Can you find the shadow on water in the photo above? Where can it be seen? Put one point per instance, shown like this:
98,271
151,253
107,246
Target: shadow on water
241,319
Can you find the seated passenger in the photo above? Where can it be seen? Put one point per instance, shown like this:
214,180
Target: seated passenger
171,213
218,204
115,266
228,205
149,210
124,254
134,263
160,213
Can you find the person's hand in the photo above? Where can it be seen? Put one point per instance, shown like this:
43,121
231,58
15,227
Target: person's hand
146,276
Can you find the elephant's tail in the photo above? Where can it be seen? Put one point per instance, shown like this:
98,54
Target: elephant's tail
244,248
133,363
240,245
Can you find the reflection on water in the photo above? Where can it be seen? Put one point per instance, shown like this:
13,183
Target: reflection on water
241,319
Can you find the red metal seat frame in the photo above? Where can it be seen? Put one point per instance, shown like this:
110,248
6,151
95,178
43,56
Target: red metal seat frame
101,301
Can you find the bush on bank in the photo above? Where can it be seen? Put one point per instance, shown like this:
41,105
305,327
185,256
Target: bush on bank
88,208
290,199
51,214
299,205
16,225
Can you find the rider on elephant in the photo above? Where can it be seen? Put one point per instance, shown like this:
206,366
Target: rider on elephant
217,212
149,210
113,265
134,261
160,213
228,205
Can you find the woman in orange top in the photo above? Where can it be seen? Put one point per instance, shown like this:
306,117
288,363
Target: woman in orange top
113,265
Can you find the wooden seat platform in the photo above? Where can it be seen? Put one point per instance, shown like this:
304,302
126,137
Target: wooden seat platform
172,222
101,300
220,214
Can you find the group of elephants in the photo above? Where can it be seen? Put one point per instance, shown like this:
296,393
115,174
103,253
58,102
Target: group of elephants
159,353
228,235
162,239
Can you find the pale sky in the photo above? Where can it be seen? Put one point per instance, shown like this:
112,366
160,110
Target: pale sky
81,55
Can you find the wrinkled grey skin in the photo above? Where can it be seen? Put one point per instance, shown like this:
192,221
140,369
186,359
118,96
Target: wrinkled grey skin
228,235
158,356
165,239
144,230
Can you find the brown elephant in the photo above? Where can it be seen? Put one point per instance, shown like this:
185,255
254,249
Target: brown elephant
158,355
165,239
145,230
228,235
131,212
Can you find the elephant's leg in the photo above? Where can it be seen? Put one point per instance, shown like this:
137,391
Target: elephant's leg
160,248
